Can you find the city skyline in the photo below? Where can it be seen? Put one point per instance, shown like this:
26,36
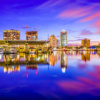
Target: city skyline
81,19
50,50
33,36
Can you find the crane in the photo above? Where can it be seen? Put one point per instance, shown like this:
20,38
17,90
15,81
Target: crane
35,29
25,26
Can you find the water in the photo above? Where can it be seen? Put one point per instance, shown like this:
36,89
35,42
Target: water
60,75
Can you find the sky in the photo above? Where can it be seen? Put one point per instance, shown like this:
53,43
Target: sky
80,18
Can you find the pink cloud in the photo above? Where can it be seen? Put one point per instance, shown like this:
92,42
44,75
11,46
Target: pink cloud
75,13
97,25
86,32
91,17
85,14
94,17
94,43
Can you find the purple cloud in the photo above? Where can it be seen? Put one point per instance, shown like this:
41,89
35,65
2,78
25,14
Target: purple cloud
86,32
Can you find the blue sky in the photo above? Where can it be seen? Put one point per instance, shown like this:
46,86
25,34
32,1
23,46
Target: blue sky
80,18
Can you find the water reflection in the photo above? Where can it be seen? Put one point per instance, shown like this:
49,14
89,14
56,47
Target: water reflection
21,58
10,69
53,58
63,61
70,74
86,56
12,62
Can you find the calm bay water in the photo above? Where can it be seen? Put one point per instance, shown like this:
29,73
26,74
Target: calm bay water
60,75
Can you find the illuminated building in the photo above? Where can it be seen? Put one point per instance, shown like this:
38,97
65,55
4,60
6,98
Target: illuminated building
53,41
63,61
31,35
63,38
85,43
11,35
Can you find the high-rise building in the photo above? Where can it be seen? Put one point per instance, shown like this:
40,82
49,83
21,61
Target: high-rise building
63,38
11,35
53,41
31,35
85,43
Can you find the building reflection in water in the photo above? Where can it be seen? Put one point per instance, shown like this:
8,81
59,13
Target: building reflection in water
31,67
98,52
10,69
85,56
22,57
12,62
63,61
53,58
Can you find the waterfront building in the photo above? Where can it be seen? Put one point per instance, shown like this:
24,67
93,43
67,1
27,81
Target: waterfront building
63,38
53,41
31,35
22,46
85,43
11,35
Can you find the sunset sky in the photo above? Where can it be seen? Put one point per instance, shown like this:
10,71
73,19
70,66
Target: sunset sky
80,18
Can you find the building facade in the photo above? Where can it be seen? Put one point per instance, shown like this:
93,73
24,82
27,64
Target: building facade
11,35
63,38
31,35
53,41
85,43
